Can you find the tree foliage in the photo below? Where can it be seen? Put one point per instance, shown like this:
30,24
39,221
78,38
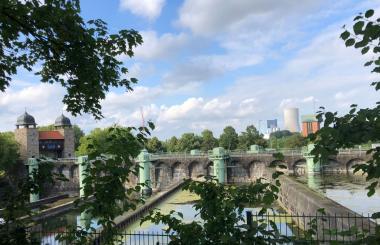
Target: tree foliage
171,144
280,134
154,145
294,140
359,125
9,152
221,209
107,191
251,136
96,140
188,142
208,140
229,139
52,37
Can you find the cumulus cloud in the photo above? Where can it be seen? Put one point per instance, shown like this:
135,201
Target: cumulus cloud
215,16
40,100
163,46
149,9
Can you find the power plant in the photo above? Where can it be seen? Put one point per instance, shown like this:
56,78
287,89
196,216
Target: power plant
291,119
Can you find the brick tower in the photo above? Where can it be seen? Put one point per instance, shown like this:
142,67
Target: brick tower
63,125
26,134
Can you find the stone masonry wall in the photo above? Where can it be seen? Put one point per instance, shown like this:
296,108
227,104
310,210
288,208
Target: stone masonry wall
28,141
69,143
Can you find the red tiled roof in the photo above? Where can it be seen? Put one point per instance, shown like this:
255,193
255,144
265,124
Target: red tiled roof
50,135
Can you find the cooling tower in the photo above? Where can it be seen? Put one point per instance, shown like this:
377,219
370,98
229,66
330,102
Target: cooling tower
291,120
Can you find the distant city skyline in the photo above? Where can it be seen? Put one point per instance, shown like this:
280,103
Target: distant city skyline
204,64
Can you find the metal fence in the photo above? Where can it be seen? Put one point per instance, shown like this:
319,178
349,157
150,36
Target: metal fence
127,238
319,228
305,229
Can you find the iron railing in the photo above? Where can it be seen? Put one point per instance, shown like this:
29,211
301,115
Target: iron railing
237,153
127,238
318,228
300,228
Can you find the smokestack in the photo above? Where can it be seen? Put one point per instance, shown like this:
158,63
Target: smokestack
291,119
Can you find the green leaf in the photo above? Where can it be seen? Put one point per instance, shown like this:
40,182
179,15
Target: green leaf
151,125
369,13
345,35
358,27
375,215
350,42
368,63
365,50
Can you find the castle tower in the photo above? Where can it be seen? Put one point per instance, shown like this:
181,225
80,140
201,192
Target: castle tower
26,134
63,125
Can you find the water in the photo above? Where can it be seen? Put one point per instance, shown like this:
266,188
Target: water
346,189
183,202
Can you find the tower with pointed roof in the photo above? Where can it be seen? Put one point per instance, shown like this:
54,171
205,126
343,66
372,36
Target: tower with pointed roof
26,134
57,143
63,125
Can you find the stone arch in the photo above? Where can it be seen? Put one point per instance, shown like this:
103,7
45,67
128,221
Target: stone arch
236,173
177,172
333,166
352,162
255,169
299,167
74,173
195,169
210,168
161,175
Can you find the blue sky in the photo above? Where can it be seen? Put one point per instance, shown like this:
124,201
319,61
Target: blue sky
212,63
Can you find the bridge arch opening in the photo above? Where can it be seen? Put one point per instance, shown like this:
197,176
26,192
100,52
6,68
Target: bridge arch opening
299,167
210,169
333,166
255,169
236,173
177,173
350,165
161,178
195,170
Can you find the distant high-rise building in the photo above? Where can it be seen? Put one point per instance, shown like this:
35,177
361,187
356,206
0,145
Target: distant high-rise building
310,124
291,119
272,123
272,126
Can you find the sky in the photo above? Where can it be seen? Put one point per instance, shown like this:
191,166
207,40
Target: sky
213,63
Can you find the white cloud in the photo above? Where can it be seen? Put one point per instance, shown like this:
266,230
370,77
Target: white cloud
150,9
215,16
41,100
160,46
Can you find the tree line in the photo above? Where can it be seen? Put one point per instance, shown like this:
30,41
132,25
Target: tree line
54,34
229,139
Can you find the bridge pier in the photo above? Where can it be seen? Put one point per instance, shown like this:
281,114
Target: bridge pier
144,172
83,163
218,157
33,165
312,166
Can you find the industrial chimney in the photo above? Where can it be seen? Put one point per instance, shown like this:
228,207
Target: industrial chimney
291,119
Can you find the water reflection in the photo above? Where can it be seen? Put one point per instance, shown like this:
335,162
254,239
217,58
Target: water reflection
346,189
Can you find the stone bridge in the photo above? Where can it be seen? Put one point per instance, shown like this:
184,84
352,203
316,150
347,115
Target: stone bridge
162,170
242,166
